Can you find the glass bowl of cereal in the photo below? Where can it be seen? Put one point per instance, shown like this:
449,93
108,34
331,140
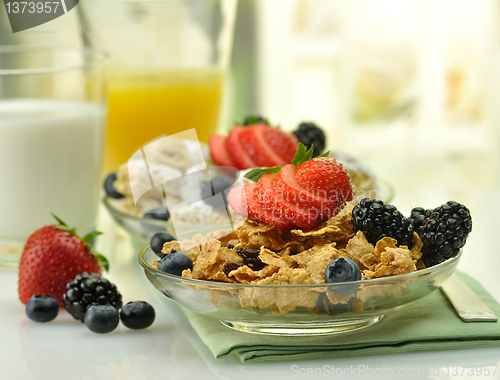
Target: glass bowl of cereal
256,279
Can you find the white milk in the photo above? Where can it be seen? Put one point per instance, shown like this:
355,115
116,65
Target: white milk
50,158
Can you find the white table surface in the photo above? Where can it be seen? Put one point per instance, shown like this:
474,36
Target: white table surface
170,349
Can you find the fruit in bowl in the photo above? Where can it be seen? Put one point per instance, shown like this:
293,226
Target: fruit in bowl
305,247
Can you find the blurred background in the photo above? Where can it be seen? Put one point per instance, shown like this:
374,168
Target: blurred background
408,86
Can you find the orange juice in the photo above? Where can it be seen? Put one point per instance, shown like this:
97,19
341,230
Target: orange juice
146,104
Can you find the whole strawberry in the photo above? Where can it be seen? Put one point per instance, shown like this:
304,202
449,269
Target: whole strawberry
299,195
53,256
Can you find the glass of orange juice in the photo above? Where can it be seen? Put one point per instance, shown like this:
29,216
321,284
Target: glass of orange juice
169,60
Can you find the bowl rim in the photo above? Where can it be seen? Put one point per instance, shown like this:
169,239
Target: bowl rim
108,203
435,268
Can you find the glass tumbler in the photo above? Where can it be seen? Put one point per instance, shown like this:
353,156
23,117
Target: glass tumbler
169,60
52,123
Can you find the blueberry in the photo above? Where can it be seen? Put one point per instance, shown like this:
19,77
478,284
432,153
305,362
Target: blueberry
214,187
158,213
42,308
343,270
101,319
174,263
148,224
158,240
137,315
109,187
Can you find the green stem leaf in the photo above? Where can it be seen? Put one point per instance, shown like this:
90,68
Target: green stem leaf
90,236
302,155
59,220
103,261
256,174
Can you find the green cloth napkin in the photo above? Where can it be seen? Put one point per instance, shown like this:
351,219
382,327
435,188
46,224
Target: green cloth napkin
428,324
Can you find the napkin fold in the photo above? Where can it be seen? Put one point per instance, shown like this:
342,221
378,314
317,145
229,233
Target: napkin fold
428,324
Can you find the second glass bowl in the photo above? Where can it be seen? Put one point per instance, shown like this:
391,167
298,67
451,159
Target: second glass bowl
141,230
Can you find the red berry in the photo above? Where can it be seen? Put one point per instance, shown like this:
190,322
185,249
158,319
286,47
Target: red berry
237,200
256,145
237,150
283,144
326,178
297,196
218,151
281,208
51,258
269,146
286,184
262,211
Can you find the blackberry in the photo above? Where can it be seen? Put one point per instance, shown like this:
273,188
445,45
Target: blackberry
310,134
444,231
417,217
378,220
89,289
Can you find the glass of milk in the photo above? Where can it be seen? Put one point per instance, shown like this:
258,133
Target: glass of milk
52,124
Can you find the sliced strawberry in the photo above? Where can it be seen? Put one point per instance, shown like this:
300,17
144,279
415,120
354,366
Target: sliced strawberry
218,152
260,153
282,209
267,217
252,150
262,211
272,146
301,194
286,184
237,200
237,151
327,177
283,143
